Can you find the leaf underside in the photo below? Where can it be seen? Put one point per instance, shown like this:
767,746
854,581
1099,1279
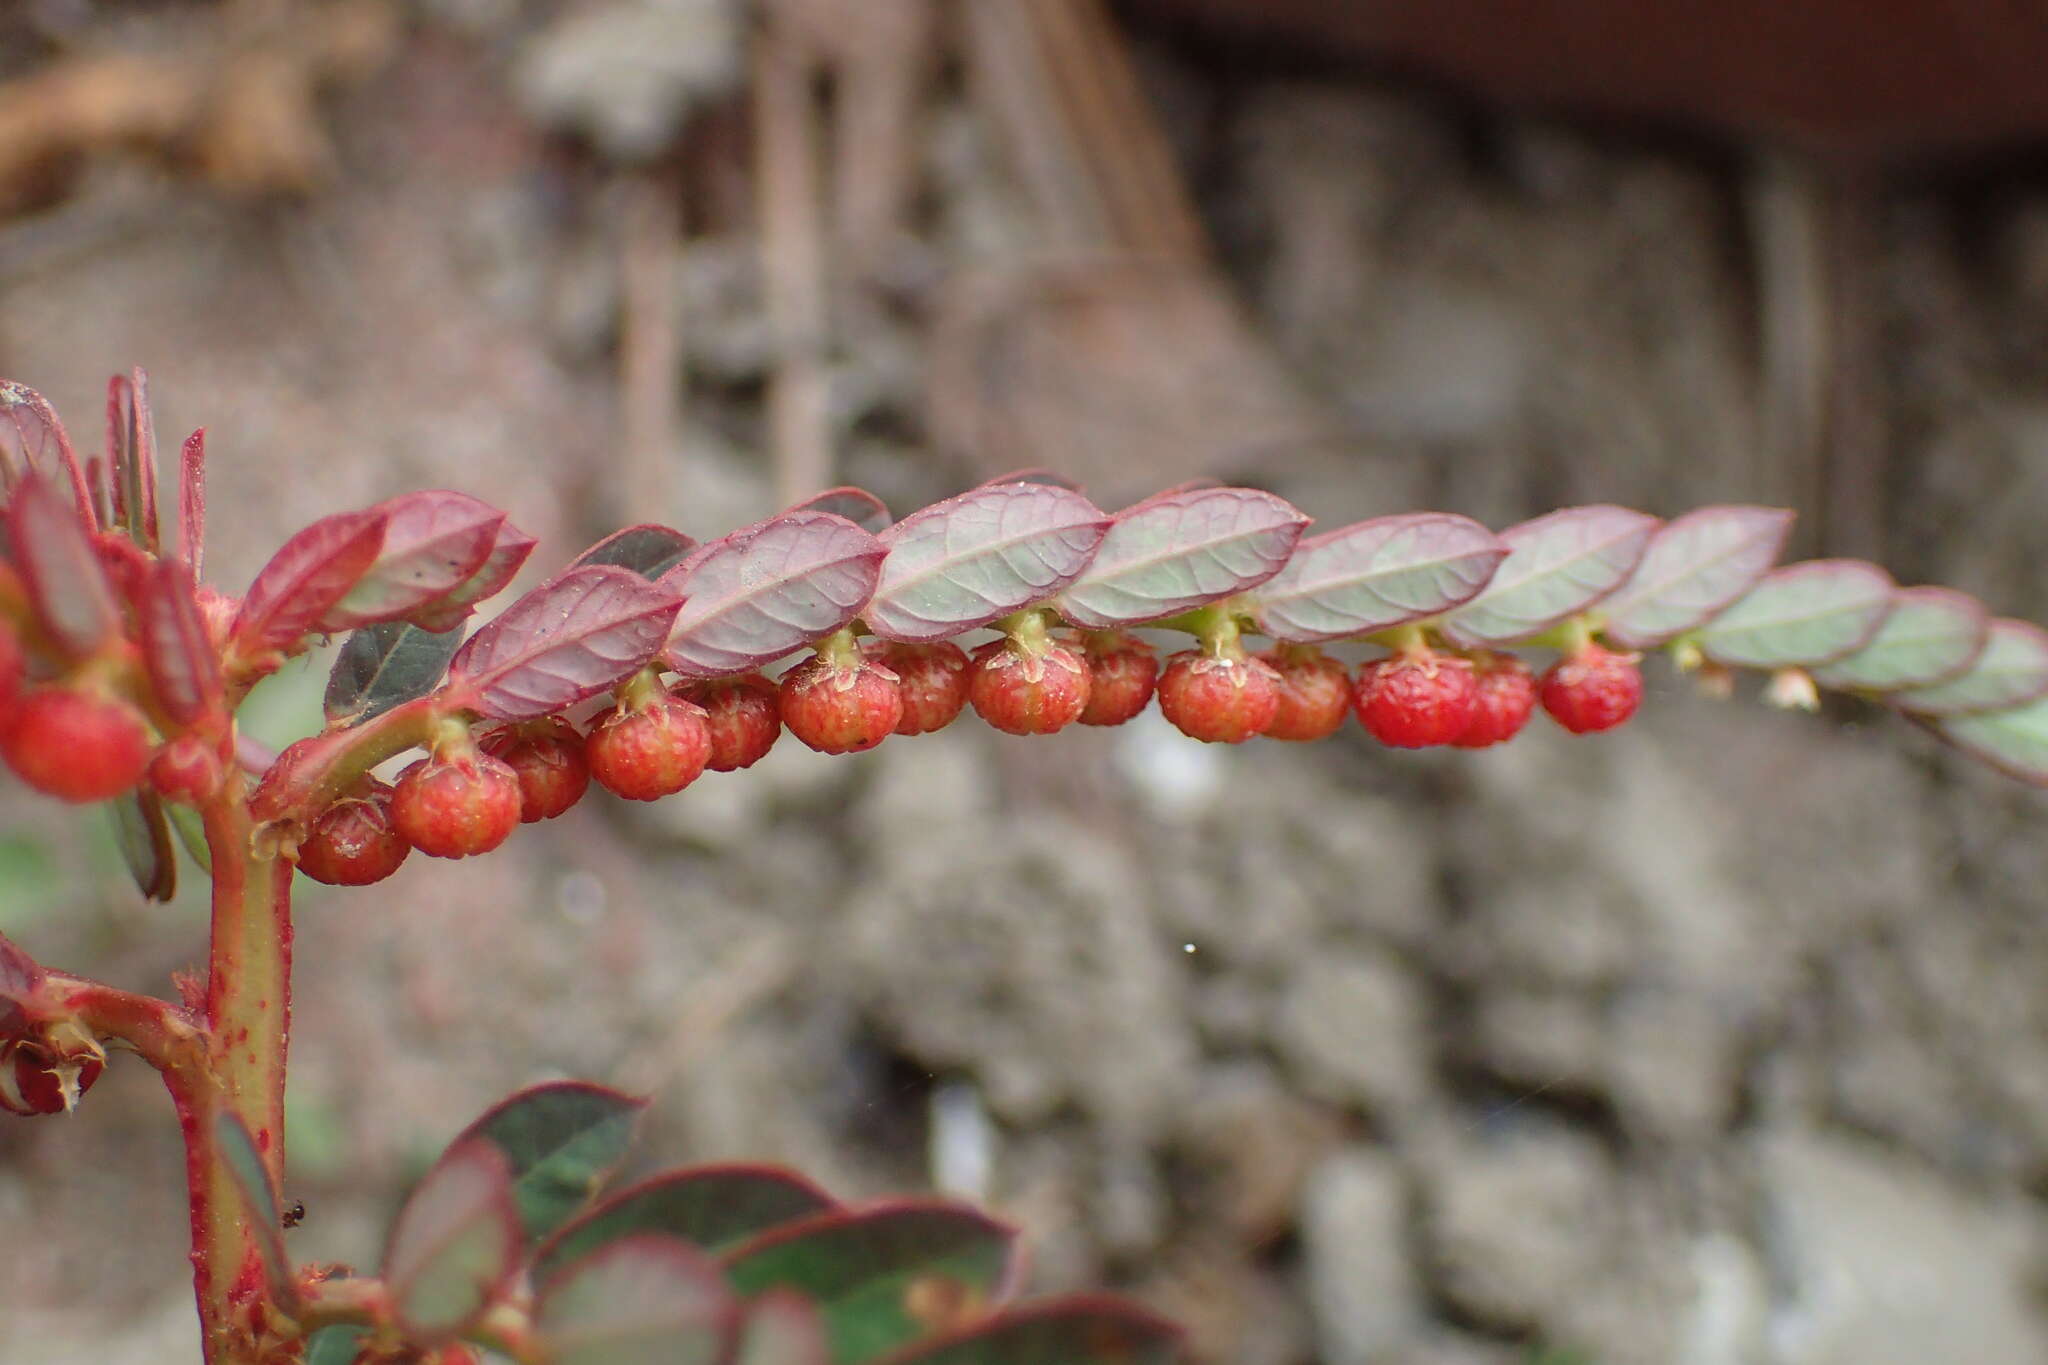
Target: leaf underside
573,637
1556,565
975,558
1801,615
455,1242
1376,575
1694,566
1174,553
767,590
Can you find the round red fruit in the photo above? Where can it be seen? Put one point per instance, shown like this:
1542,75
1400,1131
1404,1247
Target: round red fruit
32,1083
1506,695
1415,701
457,806
841,707
353,842
184,769
547,757
933,680
76,745
1031,691
1220,701
1593,690
647,752
743,717
1121,679
1315,694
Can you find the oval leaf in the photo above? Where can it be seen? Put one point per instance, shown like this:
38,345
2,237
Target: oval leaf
1377,574
713,1207
1557,566
434,542
879,1274
1184,550
508,554
1808,613
571,638
2015,742
648,550
857,505
2012,671
66,582
382,665
1932,635
1081,1330
184,672
991,551
305,578
455,1244
643,1300
561,1142
143,832
782,1328
1038,474
237,1151
768,589
1694,566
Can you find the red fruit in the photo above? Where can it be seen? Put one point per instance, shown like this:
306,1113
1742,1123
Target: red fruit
76,745
184,769
1032,691
1315,694
1501,706
457,806
33,1083
933,680
353,843
1414,701
1121,678
13,666
841,707
547,757
1220,701
743,717
648,752
1595,689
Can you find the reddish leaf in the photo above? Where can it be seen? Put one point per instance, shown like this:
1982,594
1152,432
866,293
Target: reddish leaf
131,456
1694,567
305,578
643,1298
192,501
1557,565
434,542
183,670
768,589
33,441
713,1207
648,550
857,505
1050,478
1179,551
1194,485
508,553
572,637
455,1244
991,551
1080,1330
1377,574
66,582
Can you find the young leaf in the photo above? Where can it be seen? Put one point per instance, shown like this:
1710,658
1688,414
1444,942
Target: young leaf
647,550
1932,636
382,665
66,582
192,501
305,578
19,978
508,553
434,542
1174,553
184,671
2015,742
1051,478
131,456
1557,565
1802,614
33,441
572,637
1080,1330
763,591
190,828
782,1328
251,1177
713,1207
336,1345
2012,671
142,830
455,1244
561,1141
991,551
857,505
1695,565
876,1274
1377,574
638,1301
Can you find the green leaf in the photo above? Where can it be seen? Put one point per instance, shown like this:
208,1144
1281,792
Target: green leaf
383,665
1557,565
1802,614
713,1207
1932,636
143,833
562,1141
336,1345
886,1275
191,831
2015,742
642,1300
1694,566
1179,551
782,1328
1375,575
259,1199
455,1244
2012,670
1082,1330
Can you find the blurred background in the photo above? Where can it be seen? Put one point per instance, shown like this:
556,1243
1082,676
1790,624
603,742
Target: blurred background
1722,1040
